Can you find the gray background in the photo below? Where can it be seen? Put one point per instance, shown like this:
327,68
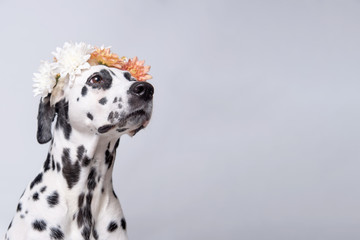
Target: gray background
255,131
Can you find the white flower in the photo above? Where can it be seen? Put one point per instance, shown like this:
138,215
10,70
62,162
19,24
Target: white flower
45,79
73,58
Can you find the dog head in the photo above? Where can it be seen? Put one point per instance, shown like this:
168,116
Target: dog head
102,101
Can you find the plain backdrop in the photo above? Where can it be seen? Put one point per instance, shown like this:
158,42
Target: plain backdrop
255,129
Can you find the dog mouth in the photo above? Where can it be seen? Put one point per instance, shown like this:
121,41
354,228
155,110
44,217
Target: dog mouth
135,114
130,117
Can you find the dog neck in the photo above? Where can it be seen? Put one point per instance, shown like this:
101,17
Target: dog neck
84,164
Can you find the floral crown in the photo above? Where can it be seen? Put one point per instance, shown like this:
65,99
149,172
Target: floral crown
69,61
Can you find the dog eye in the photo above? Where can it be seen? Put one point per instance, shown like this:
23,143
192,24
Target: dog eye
96,79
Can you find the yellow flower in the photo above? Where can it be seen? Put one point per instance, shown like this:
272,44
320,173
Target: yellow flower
137,69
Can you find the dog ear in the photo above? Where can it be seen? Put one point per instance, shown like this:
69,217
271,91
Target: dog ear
45,117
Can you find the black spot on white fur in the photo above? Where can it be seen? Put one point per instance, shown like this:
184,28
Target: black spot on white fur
112,226
103,101
43,189
127,75
47,163
112,73
39,225
19,207
53,163
90,116
86,161
114,193
95,234
36,181
91,179
117,144
80,217
81,157
80,152
89,198
35,196
84,217
81,200
111,117
84,91
86,233
123,223
58,167
108,158
53,199
71,171
10,225
56,234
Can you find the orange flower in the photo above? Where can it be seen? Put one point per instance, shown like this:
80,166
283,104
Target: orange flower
137,69
103,56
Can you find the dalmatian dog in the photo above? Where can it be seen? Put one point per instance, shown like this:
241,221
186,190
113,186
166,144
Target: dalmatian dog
72,197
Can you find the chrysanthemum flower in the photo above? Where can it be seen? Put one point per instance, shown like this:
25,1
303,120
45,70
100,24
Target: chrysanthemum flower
45,79
105,57
73,58
137,69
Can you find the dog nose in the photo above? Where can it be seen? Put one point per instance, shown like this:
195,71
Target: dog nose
143,90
